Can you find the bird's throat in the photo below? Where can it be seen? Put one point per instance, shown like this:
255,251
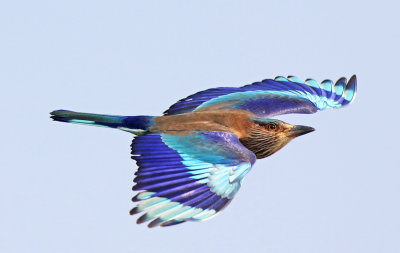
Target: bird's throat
262,144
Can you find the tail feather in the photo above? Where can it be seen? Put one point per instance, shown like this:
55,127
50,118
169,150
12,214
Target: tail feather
134,124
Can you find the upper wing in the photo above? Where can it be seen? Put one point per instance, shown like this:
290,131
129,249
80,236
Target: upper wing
272,97
187,177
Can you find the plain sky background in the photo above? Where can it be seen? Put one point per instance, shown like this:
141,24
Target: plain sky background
67,188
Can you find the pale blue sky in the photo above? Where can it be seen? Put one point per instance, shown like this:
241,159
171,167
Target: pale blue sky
67,188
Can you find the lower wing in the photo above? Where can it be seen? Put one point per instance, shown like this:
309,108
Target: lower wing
187,177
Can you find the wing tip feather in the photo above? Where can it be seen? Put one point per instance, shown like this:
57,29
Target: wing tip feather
351,88
134,211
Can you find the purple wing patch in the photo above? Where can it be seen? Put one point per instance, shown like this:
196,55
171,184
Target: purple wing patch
188,177
272,97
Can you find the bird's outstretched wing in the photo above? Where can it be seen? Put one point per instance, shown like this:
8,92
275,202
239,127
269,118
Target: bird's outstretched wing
187,176
272,97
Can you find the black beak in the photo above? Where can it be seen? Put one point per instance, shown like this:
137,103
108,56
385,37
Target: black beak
300,130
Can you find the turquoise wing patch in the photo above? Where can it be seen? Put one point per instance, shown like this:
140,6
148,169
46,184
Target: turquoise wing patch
272,97
187,177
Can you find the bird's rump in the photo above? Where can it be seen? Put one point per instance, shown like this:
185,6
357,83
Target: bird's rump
187,177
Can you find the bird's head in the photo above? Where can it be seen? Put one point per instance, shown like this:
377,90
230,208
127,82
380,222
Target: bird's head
266,136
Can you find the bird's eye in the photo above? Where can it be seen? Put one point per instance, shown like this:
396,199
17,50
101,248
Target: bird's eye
271,126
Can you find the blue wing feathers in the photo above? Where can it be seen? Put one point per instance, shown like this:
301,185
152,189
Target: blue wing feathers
192,101
327,86
350,92
219,205
317,95
160,170
184,195
178,184
198,200
162,177
180,193
339,88
164,184
314,86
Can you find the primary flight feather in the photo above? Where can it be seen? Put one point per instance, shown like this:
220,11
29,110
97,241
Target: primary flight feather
192,159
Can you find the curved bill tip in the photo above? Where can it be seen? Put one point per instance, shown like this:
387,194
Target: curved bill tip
300,130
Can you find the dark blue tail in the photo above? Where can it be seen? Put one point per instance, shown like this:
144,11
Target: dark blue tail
134,124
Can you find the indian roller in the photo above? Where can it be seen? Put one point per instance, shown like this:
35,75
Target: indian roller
192,160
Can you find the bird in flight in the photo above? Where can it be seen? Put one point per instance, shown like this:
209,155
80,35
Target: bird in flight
192,160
